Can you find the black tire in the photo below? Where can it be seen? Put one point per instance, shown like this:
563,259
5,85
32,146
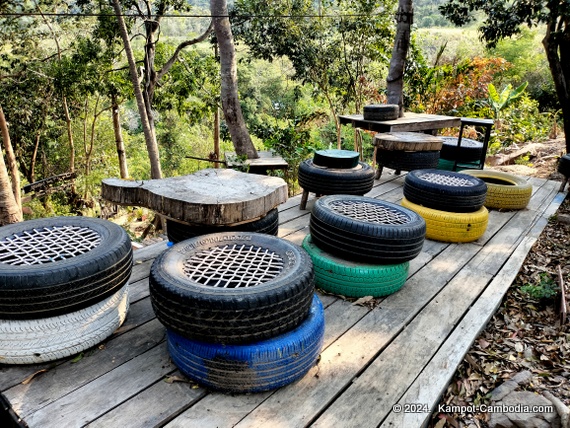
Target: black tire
401,160
379,112
564,165
366,229
469,151
341,159
261,366
330,181
247,287
445,190
75,262
177,231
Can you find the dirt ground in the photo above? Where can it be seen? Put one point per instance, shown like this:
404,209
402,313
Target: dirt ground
527,332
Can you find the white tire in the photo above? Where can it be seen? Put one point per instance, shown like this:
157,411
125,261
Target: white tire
47,339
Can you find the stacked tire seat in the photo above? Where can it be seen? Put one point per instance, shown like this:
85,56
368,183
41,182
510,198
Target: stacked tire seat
362,246
63,286
406,151
333,172
451,204
240,310
504,191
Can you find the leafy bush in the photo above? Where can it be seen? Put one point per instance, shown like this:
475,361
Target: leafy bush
545,289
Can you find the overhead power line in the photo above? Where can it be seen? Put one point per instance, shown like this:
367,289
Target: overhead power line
133,15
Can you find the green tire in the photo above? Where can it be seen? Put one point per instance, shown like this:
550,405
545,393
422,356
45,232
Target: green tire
353,279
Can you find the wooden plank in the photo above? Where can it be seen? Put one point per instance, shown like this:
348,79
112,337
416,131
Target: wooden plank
433,380
266,160
209,196
149,252
397,366
68,377
154,406
94,399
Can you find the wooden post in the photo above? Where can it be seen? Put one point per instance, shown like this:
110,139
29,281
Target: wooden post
217,136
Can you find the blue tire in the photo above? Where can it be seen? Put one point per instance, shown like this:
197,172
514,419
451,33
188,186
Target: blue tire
254,367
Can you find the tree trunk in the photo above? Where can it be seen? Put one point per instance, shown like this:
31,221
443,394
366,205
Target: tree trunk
229,91
11,158
395,80
557,47
217,136
123,169
10,209
151,144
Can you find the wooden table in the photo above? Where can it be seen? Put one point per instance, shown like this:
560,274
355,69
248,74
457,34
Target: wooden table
209,196
267,161
410,122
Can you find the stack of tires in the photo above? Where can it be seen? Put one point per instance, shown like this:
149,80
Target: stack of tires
451,204
239,309
333,172
466,155
63,286
362,246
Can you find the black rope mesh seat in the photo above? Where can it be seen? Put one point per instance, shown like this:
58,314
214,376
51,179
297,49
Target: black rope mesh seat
445,190
232,287
57,265
366,229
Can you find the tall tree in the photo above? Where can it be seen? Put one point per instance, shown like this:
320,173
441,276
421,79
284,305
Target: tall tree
151,13
228,69
504,18
10,206
333,52
395,80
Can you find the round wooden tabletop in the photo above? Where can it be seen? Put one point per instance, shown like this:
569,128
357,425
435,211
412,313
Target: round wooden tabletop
408,141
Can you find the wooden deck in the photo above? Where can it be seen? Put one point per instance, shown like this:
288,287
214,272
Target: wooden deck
405,350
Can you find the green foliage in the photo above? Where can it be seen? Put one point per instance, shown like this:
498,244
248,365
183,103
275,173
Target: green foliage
508,95
520,123
545,289
294,143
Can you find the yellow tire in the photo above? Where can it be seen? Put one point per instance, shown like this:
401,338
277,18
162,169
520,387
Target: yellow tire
451,227
504,191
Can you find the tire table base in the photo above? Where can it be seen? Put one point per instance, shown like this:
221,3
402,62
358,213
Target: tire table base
401,160
353,279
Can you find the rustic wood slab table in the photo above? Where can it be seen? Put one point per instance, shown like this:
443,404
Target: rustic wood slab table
209,196
401,146
410,122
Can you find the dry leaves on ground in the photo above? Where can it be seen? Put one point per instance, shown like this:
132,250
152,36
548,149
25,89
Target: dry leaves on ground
524,334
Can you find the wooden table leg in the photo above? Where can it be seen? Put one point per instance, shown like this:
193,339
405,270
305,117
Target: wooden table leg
379,171
563,184
304,198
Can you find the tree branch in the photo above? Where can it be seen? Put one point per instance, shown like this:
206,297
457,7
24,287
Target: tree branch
166,67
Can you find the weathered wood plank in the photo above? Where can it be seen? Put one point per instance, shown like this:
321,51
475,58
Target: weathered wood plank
94,399
384,381
154,406
209,196
68,377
